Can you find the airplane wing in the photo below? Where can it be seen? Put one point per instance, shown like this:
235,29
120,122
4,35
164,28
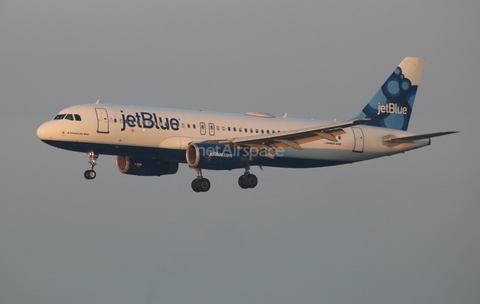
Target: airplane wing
294,138
407,139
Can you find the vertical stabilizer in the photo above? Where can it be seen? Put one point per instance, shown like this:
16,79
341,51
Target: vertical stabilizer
392,105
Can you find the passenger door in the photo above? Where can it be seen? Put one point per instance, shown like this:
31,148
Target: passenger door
358,140
102,120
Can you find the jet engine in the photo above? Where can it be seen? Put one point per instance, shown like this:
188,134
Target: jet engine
215,157
145,166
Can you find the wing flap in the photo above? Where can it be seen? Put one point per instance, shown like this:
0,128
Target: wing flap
294,138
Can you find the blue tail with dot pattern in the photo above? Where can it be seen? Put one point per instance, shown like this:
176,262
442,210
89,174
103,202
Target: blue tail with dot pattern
392,106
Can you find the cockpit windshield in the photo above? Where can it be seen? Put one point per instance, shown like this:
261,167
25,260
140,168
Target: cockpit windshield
68,117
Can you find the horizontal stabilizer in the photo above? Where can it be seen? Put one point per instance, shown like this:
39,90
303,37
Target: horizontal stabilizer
407,139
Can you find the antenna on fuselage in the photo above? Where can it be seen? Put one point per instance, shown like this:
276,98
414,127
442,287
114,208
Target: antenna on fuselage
98,101
285,116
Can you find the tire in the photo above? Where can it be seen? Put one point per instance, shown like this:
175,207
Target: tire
204,185
242,182
251,181
90,174
195,185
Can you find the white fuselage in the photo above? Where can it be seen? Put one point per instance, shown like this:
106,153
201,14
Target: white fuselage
166,133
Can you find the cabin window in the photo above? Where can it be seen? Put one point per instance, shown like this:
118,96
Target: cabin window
256,130
194,126
223,128
239,129
251,130
228,128
183,125
234,129
268,131
188,126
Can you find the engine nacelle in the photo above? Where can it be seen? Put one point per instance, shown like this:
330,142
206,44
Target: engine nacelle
215,157
145,166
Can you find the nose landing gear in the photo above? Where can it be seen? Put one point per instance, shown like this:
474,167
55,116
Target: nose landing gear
91,174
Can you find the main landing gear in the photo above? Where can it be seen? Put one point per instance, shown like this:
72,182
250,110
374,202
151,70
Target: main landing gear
245,181
90,174
200,184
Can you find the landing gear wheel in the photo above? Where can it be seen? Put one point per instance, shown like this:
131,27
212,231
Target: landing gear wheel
195,186
201,185
247,181
204,185
90,174
242,182
251,181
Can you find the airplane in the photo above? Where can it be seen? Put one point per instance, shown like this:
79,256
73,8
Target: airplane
150,141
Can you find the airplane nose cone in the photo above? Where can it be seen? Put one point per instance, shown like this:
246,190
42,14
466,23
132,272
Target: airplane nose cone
43,131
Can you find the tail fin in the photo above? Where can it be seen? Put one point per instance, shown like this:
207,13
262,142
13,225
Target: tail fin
392,106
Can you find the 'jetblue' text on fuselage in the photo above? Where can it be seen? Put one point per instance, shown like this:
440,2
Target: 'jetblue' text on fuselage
146,120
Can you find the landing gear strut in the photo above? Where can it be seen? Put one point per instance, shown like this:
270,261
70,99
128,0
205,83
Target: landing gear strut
247,180
90,174
200,184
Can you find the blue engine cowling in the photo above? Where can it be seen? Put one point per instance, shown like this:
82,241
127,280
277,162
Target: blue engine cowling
215,157
145,166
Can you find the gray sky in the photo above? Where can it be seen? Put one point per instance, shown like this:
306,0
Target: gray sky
402,229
